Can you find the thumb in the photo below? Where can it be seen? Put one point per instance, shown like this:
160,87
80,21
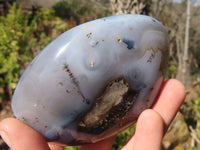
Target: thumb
20,136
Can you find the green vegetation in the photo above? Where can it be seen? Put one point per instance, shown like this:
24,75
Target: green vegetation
195,104
80,10
24,34
171,72
22,37
72,148
123,137
13,35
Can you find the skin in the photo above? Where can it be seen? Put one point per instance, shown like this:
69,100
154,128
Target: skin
151,126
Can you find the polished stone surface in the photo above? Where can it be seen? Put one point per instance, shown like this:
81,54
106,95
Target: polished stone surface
93,80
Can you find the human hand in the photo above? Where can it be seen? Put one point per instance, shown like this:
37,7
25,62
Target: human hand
150,129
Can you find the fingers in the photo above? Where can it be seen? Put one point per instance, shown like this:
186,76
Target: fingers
19,136
171,98
103,145
152,123
55,146
148,133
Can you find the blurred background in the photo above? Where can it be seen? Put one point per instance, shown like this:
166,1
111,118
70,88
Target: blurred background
27,26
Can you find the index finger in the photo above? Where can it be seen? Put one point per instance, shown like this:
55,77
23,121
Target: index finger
170,99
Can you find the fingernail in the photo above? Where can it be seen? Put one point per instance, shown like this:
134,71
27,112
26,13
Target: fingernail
5,137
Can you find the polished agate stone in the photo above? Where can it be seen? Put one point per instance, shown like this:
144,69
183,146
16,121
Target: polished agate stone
94,80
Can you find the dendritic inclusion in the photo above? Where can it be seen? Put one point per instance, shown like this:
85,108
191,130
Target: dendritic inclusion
94,80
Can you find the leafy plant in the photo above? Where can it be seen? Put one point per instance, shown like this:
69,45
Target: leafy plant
80,10
22,37
171,71
72,148
12,29
195,105
123,137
